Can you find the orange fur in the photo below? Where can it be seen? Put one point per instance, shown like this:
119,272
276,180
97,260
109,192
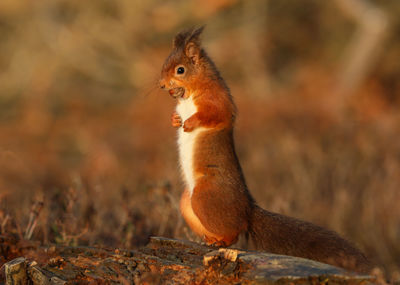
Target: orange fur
220,207
196,225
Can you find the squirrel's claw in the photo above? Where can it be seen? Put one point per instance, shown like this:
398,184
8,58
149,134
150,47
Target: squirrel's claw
176,120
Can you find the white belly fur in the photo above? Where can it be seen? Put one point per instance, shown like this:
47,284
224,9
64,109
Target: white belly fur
186,142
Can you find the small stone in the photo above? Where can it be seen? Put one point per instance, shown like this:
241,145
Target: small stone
229,254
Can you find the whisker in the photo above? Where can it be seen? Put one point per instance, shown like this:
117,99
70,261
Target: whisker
149,88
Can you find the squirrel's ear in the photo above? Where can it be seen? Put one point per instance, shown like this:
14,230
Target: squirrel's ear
192,47
192,51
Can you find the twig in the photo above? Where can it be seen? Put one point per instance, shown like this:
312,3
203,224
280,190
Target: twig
4,223
363,49
33,218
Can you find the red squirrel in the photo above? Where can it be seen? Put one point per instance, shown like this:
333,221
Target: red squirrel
216,203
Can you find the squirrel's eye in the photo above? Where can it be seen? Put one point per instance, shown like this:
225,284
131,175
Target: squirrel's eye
180,70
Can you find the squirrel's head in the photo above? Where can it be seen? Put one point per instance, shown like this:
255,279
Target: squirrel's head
183,65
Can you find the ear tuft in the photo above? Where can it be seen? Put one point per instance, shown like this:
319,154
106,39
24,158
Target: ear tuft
195,35
186,36
180,39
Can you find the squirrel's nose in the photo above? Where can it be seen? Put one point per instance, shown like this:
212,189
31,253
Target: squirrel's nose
162,84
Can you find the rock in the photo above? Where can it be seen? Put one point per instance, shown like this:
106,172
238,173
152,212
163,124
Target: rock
171,261
16,272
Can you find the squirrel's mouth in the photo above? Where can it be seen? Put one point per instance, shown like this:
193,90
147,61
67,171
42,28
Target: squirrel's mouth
177,92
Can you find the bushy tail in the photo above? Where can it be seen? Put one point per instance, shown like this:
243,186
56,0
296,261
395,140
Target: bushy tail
280,234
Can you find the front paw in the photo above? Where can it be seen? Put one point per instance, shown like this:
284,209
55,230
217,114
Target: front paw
176,120
188,126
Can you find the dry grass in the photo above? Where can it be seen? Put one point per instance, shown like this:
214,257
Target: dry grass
87,155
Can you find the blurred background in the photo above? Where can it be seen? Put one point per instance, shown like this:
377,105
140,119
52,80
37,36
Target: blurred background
87,153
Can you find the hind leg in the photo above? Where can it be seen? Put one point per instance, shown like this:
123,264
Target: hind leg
195,224
218,211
